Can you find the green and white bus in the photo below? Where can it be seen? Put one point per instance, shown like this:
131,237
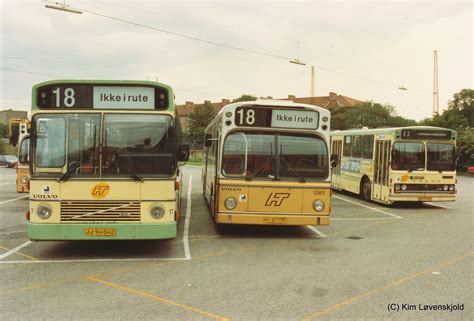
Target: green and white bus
386,165
104,161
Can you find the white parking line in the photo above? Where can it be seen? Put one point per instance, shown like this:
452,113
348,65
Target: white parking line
14,199
13,251
187,253
362,218
366,206
7,183
93,260
315,230
441,206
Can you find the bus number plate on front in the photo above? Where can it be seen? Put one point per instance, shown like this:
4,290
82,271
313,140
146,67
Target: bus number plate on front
425,198
99,231
274,220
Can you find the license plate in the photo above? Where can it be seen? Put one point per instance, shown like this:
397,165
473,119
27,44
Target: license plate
425,198
92,231
274,220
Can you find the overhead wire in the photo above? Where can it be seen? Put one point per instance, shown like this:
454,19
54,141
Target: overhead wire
242,49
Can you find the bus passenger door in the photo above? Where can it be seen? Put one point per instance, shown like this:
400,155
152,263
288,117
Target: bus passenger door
380,185
336,149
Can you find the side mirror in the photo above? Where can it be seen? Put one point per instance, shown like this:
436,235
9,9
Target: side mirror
207,140
184,151
334,160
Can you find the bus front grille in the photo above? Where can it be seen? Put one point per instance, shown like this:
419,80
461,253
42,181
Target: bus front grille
100,211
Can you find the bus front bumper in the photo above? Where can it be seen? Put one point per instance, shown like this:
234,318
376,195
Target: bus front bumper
56,232
268,219
419,197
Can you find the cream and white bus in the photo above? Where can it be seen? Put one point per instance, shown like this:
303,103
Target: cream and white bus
386,165
104,161
266,162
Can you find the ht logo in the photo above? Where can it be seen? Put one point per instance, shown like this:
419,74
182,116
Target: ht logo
276,199
100,190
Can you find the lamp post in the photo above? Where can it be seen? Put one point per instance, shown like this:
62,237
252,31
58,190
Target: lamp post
311,89
62,7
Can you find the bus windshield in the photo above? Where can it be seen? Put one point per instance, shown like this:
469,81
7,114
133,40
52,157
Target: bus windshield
440,157
408,156
68,145
138,145
274,155
66,141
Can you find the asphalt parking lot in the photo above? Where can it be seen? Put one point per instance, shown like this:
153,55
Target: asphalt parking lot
372,263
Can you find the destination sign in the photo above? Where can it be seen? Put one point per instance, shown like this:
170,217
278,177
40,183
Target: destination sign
278,118
427,134
99,96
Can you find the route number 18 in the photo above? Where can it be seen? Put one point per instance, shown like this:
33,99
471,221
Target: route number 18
246,116
69,99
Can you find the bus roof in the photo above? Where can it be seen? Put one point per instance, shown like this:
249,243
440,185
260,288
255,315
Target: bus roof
367,131
102,81
270,103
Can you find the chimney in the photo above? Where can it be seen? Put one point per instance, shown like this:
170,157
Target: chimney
332,96
225,101
291,97
189,103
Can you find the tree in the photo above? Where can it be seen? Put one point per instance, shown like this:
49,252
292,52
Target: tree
245,97
369,114
463,102
338,118
465,149
3,130
201,116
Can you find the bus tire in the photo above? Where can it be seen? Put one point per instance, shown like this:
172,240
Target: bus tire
366,189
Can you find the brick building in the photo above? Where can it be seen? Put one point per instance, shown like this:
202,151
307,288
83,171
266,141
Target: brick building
331,102
6,115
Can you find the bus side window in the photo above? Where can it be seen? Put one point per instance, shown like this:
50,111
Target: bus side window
367,146
347,146
356,146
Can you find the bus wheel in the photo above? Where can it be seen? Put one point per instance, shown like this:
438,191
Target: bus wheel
366,190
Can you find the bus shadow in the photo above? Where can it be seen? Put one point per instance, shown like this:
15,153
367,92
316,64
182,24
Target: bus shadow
412,205
118,249
264,231
396,205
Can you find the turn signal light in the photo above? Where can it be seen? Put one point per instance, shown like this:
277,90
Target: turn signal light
27,215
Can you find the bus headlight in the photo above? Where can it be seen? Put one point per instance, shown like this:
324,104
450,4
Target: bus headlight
230,203
318,205
23,179
397,187
157,211
451,187
445,187
404,187
44,211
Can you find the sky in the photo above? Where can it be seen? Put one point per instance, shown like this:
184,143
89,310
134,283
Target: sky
223,49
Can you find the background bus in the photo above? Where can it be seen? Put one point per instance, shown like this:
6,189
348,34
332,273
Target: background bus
396,164
266,162
104,161
22,169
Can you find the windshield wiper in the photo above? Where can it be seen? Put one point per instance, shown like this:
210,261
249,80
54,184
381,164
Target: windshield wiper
297,174
72,168
134,175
